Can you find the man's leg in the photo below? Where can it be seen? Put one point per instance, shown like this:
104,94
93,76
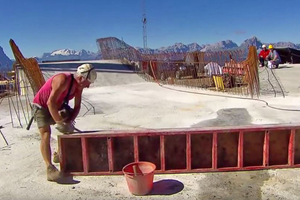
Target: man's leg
44,120
261,60
45,144
276,63
52,172
266,63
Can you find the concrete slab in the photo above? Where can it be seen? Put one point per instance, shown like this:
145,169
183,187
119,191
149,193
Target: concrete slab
288,75
145,105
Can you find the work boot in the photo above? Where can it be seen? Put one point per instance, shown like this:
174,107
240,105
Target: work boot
55,157
52,173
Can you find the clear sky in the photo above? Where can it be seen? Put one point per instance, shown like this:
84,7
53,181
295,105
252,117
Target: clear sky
40,26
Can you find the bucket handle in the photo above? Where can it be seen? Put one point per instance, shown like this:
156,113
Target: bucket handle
137,171
134,175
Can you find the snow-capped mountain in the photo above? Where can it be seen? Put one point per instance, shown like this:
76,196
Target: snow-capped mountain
254,41
219,46
176,48
287,44
195,47
69,54
4,60
223,45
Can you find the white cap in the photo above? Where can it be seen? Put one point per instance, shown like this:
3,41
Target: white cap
264,46
88,72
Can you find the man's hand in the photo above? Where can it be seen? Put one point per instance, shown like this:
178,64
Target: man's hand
65,128
67,115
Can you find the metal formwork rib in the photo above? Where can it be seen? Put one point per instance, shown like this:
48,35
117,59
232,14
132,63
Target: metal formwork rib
182,150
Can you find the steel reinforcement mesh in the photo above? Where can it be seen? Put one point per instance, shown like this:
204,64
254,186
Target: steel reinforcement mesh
234,72
30,67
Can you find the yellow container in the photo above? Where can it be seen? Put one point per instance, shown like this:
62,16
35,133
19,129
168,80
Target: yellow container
219,82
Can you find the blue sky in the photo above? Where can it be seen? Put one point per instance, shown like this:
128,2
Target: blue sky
40,26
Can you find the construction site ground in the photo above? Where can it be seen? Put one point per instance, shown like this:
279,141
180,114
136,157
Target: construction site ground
125,101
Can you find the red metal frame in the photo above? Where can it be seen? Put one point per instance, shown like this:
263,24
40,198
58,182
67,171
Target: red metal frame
188,132
266,149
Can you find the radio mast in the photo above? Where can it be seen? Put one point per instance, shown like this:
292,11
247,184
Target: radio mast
144,20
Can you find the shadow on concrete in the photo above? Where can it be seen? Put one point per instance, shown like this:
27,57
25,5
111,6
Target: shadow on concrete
67,180
233,185
228,117
166,187
282,66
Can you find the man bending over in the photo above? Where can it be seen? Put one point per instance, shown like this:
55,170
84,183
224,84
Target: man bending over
51,99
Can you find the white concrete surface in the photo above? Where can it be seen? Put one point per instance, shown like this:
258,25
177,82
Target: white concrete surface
125,101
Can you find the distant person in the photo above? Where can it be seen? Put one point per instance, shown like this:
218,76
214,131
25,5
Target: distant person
213,69
273,58
51,99
263,56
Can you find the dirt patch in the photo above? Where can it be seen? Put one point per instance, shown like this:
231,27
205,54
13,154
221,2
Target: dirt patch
241,185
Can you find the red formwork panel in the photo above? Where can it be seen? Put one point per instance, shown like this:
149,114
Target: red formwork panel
182,150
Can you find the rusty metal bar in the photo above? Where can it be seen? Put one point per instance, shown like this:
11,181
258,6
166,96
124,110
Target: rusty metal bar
194,170
162,153
266,149
215,151
110,154
291,158
62,153
176,131
188,152
85,158
136,148
241,150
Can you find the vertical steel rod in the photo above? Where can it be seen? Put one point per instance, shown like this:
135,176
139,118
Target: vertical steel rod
215,151
188,151
241,150
266,149
162,153
110,154
136,148
291,160
85,158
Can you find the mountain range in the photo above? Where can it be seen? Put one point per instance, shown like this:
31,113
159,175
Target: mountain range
219,46
63,54
68,54
4,60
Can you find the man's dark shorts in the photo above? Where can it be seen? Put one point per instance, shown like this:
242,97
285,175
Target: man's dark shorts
43,118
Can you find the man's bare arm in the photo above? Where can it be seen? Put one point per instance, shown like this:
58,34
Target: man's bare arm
59,85
78,96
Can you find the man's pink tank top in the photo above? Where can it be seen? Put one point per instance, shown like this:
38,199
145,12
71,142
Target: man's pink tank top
43,94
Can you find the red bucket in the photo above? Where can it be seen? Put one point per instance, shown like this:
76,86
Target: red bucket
139,177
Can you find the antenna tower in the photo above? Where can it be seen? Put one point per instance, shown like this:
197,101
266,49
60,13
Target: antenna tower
144,20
